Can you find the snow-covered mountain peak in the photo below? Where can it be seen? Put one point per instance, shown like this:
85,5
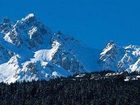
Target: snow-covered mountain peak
120,58
110,48
28,32
109,56
29,19
30,51
111,43
132,47
29,16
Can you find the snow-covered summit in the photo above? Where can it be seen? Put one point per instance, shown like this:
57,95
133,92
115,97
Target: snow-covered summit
31,51
118,58
29,16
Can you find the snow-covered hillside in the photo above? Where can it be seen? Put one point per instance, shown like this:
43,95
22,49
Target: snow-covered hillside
31,51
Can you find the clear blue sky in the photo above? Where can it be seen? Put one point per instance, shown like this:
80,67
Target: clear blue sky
95,22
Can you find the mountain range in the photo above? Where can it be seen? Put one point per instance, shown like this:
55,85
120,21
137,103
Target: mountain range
29,50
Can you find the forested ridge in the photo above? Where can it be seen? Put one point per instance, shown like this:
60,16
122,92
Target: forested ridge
72,91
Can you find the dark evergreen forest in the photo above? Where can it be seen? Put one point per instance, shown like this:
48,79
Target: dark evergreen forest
72,91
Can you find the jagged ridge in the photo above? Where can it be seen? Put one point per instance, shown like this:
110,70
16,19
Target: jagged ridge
31,51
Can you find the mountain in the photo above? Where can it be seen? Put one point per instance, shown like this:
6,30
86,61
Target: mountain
117,58
31,51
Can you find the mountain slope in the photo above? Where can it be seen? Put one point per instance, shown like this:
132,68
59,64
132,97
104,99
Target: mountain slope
120,59
31,51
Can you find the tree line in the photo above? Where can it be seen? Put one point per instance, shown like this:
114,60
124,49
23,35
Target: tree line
72,91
